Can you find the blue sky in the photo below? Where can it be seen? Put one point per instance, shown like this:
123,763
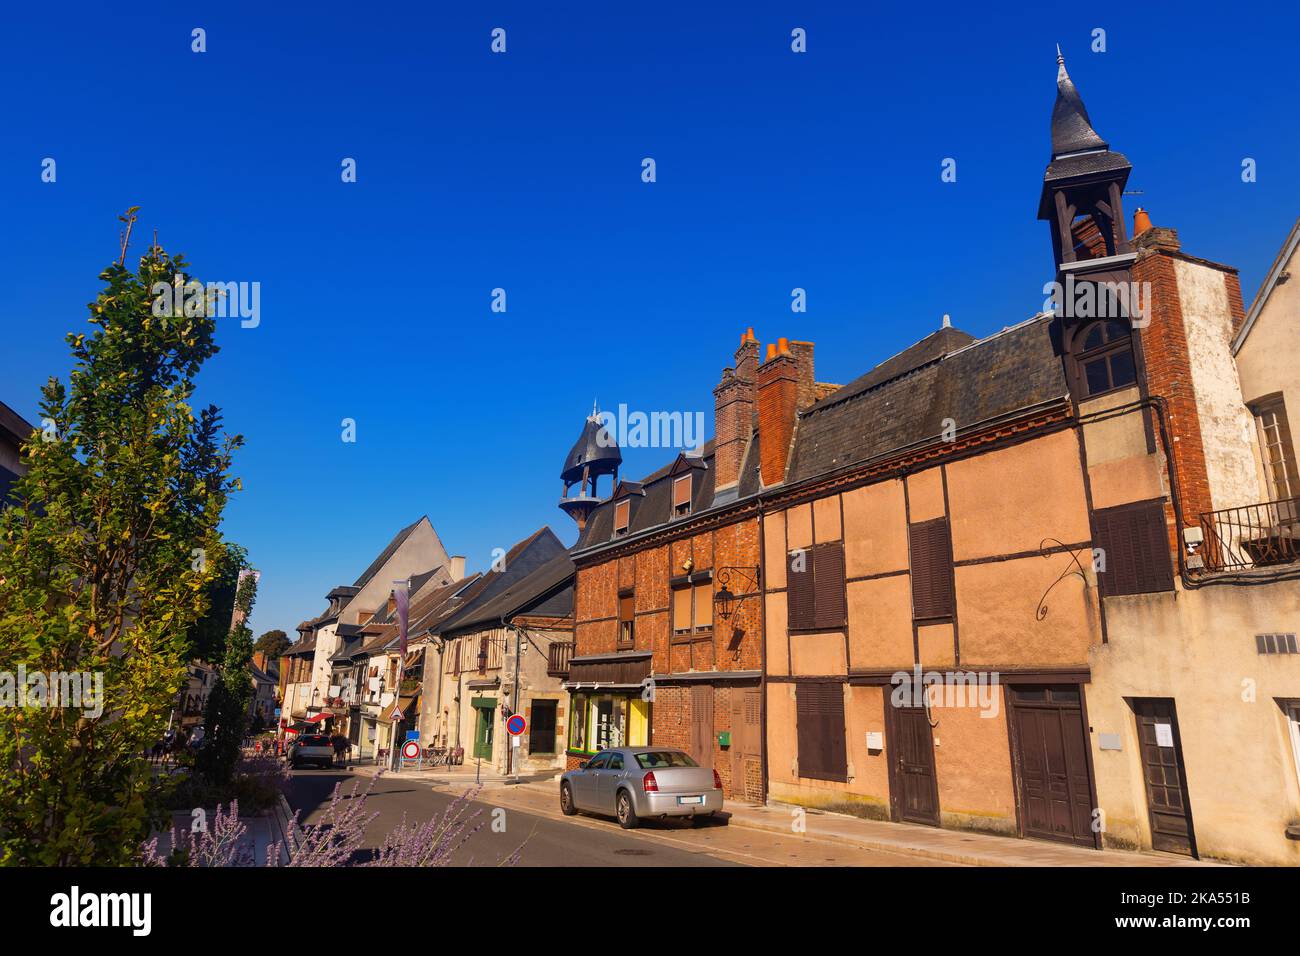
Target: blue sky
522,171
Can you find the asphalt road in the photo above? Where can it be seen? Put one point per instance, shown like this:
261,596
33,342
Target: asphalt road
544,841
543,837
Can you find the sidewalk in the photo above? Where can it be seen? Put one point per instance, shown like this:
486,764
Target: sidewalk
463,774
950,846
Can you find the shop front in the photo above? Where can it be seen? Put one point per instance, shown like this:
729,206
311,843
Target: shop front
611,702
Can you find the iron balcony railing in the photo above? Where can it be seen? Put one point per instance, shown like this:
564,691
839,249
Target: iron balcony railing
557,658
1253,536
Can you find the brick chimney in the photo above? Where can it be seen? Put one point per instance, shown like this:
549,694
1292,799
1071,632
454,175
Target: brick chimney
457,568
733,412
803,361
778,402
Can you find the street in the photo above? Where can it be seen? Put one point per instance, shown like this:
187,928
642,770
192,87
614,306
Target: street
534,822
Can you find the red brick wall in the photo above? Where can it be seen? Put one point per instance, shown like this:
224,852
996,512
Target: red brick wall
1169,375
777,397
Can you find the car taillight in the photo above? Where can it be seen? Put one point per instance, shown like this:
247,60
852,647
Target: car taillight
717,781
649,784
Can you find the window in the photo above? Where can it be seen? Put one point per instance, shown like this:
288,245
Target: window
615,762
626,620
600,721
1275,447
932,586
655,759
622,512
541,727
598,762
1134,542
1293,724
815,584
692,609
820,714
1104,360
681,495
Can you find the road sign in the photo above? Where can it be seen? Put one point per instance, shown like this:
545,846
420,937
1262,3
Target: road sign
411,750
412,735
396,715
516,725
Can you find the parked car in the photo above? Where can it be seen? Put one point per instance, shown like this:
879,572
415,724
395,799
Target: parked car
311,748
633,783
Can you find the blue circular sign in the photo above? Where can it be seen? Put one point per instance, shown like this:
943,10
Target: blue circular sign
516,724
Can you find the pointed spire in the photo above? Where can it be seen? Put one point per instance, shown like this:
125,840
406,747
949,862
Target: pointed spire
1072,131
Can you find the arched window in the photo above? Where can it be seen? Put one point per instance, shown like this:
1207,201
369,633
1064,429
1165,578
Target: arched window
1104,357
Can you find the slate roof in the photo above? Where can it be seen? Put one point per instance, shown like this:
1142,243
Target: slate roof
14,427
595,446
1072,130
520,561
653,506
547,590
305,646
1010,370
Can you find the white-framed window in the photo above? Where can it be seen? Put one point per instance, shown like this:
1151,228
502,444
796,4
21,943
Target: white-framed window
1275,447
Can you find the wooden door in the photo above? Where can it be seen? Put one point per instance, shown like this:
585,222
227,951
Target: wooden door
702,725
746,746
1168,806
1050,744
916,791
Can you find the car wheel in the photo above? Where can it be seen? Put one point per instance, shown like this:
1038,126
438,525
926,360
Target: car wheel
294,763
566,800
627,817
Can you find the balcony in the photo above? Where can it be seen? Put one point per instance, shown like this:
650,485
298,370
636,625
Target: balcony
1254,536
557,658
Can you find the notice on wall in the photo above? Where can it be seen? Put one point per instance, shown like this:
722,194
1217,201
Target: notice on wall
1164,735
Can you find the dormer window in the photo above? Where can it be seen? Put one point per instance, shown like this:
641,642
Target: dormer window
622,514
681,496
1104,358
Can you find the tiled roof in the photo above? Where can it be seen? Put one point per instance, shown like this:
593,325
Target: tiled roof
519,562
546,584
13,426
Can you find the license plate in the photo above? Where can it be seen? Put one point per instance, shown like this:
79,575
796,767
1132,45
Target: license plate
690,799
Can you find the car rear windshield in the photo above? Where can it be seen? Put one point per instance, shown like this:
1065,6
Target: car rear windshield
655,759
315,740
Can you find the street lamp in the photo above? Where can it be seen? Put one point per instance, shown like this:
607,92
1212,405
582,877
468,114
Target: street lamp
725,599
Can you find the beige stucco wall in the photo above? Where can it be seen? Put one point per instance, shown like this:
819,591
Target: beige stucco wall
1268,359
1227,430
1199,649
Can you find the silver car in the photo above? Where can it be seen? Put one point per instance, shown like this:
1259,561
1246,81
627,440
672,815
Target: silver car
632,783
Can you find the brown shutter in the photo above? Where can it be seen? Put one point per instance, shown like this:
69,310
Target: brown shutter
1135,542
820,726
799,593
704,604
828,586
621,511
932,588
682,609
681,491
625,611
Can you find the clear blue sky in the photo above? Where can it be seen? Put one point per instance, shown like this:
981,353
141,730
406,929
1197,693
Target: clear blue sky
522,171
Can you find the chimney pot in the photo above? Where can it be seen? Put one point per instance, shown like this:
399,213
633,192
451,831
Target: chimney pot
783,345
1141,222
771,351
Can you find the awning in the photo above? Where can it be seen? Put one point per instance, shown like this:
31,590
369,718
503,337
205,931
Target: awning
405,702
317,718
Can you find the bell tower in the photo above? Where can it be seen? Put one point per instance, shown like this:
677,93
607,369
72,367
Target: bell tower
595,453
1083,185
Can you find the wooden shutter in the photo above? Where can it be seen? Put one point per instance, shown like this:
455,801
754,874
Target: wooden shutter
799,593
820,723
828,586
622,509
681,491
682,609
704,604
932,589
625,612
1135,542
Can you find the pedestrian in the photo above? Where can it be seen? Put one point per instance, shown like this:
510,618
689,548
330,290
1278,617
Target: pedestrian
340,747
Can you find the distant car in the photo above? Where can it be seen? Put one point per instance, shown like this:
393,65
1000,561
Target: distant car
312,748
633,783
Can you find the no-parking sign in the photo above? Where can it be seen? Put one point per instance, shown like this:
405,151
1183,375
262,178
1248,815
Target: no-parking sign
516,724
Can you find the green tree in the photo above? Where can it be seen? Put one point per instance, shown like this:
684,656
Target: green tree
226,716
273,644
105,565
207,636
